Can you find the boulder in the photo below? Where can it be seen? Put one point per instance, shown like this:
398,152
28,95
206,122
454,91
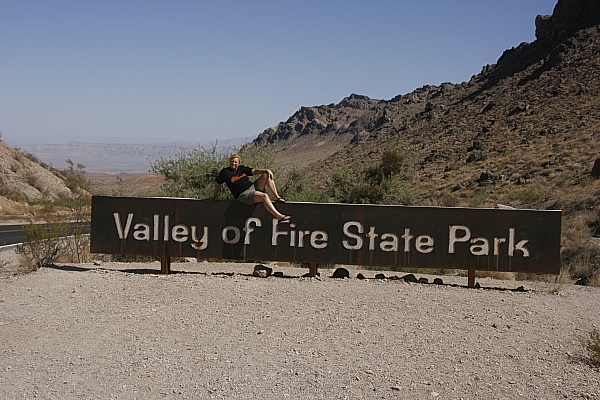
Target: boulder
262,271
341,273
596,168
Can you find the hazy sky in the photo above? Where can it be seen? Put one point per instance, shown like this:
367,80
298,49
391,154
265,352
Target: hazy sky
167,70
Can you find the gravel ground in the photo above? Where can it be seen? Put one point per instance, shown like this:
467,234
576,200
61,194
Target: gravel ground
211,330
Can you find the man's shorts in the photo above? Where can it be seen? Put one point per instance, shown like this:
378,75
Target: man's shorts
247,196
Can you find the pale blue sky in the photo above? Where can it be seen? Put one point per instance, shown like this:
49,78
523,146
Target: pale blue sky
168,70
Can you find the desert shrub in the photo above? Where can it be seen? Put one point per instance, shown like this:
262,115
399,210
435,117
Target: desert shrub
299,185
343,184
120,189
64,202
75,177
33,181
398,191
583,264
528,195
554,283
192,173
41,244
65,237
567,178
383,183
47,244
478,199
10,193
447,200
591,344
47,207
75,244
580,256
399,163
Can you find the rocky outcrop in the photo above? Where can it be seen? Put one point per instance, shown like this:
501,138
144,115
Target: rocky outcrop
569,17
352,115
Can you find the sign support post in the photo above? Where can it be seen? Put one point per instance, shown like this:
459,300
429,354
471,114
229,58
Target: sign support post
312,271
471,278
165,265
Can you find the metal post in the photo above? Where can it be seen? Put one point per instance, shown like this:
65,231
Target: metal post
165,265
471,277
312,272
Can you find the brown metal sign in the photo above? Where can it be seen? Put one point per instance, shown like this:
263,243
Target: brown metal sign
371,235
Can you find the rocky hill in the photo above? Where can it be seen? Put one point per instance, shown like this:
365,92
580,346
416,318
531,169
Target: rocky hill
25,180
530,120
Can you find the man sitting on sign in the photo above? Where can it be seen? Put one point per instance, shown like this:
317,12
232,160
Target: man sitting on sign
236,177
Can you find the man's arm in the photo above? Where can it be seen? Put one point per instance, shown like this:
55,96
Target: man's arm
216,191
260,171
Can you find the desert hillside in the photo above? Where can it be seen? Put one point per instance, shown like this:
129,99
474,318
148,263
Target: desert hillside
25,181
532,120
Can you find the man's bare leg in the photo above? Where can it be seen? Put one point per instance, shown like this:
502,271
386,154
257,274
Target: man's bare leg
265,181
262,197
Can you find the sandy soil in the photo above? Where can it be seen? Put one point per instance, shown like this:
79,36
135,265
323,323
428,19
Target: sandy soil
214,331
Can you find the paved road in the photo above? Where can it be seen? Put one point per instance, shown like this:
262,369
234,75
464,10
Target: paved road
10,234
13,234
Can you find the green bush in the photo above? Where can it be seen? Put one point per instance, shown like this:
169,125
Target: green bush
300,185
385,183
478,199
528,196
192,173
41,244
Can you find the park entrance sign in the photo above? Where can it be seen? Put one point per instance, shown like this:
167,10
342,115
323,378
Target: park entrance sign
330,233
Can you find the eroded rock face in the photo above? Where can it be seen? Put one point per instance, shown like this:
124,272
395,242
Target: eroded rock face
569,16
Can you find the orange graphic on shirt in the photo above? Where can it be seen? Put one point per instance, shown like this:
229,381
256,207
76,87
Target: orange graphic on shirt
235,178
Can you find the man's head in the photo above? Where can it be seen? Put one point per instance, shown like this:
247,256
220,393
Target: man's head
234,162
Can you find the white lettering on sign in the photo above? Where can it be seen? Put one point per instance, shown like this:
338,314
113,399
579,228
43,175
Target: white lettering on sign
388,241
297,238
225,234
481,246
202,242
123,232
358,242
248,228
357,236
145,232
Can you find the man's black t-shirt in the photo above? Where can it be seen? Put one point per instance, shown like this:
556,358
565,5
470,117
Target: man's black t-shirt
237,181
